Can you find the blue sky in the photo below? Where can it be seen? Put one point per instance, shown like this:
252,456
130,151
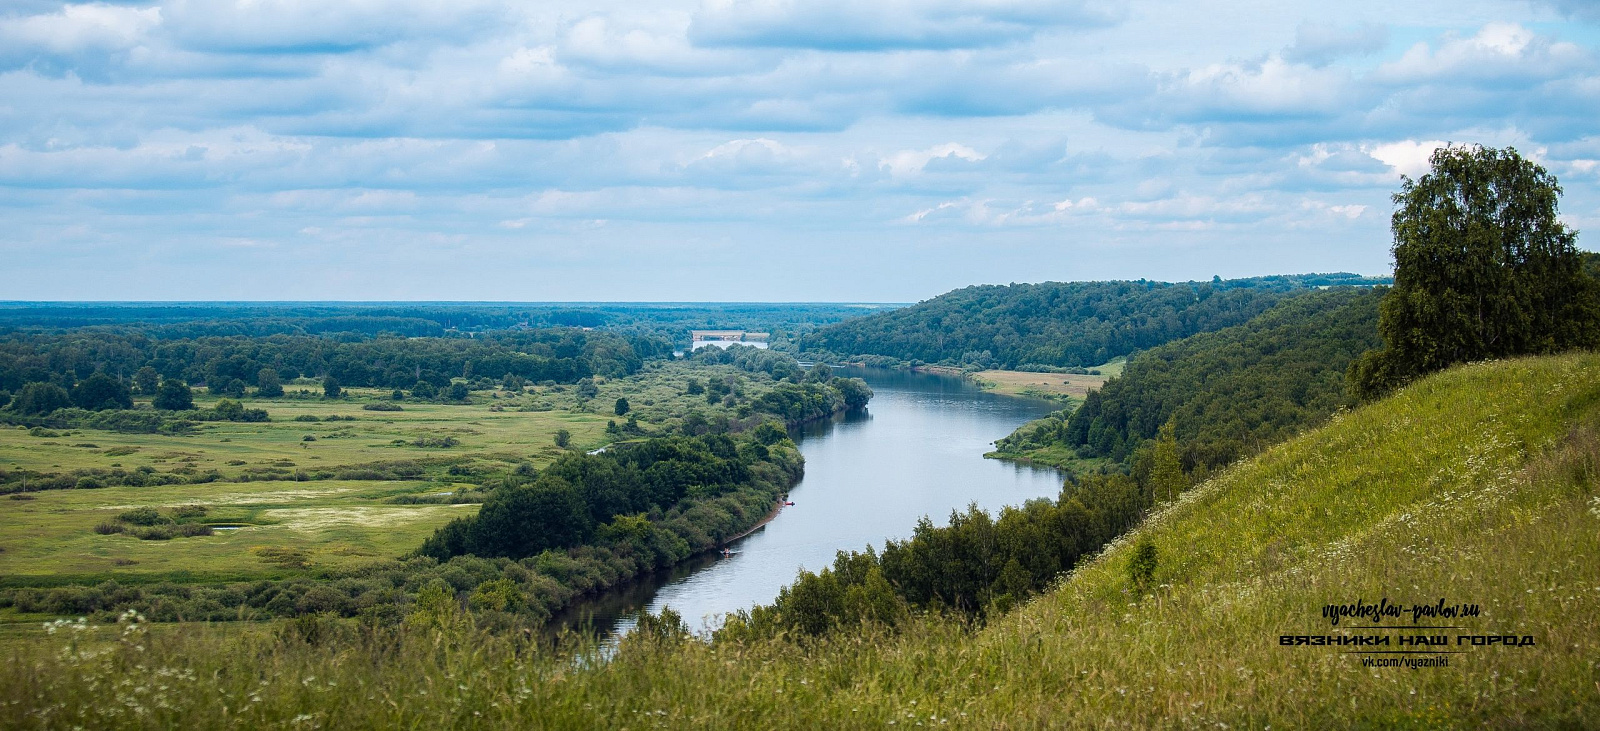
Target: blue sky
729,150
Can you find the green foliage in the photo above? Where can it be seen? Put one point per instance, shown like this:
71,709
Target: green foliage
563,438
99,392
621,407
582,497
1142,563
146,379
1058,324
561,354
331,388
268,384
975,565
1230,392
41,398
173,395
1484,268
1166,479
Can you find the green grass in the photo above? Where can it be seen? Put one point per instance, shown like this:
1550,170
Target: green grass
1478,485
50,538
339,522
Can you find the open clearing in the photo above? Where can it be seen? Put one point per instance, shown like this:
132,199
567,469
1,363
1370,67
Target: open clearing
335,522
1056,386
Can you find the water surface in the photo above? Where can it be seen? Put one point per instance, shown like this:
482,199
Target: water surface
917,450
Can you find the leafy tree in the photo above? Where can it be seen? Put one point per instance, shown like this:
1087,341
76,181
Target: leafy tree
146,379
769,433
5,398
1484,268
855,391
563,438
268,385
173,395
331,388
424,390
41,398
587,389
99,392
458,392
694,388
1142,564
1166,479
621,408
235,387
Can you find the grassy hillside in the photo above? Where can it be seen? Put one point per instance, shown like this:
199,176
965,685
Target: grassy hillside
1059,324
1229,392
1478,485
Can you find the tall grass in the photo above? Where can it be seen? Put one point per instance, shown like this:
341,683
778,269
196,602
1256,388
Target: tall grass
1476,485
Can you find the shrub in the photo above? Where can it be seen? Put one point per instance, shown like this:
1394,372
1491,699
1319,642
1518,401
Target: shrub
306,417
142,516
109,527
381,406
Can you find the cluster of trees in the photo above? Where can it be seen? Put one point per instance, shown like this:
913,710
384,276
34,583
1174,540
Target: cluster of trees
1074,324
1229,393
976,565
1484,268
69,357
583,496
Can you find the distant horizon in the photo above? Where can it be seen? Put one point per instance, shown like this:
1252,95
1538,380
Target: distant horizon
658,303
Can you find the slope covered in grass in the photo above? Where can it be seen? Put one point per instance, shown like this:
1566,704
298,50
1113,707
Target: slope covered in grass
1477,485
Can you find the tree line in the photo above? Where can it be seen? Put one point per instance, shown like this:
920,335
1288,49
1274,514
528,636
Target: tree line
67,359
1055,324
1228,393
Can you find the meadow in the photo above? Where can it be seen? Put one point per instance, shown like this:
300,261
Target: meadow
1054,386
308,485
1479,485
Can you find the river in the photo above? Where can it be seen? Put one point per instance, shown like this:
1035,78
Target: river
916,450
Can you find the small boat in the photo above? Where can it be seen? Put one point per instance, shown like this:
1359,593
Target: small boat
788,502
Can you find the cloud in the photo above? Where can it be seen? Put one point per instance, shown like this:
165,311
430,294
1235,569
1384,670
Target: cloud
1497,53
911,162
1320,44
843,25
1407,157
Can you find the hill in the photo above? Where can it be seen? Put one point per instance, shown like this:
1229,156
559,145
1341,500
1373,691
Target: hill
1058,324
1477,486
1228,393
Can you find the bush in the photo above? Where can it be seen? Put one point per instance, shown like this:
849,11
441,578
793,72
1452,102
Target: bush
306,417
142,516
381,406
109,527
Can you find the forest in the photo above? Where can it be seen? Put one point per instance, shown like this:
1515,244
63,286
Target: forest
1056,324
1227,393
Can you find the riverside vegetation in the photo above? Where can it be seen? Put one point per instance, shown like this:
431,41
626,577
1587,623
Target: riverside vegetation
1463,479
323,501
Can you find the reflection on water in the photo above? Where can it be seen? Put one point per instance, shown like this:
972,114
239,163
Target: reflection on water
916,451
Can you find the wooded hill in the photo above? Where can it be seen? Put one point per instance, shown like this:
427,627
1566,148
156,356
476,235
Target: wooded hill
1062,324
1229,393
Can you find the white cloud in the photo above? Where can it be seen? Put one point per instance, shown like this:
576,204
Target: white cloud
82,27
1503,51
911,162
1407,157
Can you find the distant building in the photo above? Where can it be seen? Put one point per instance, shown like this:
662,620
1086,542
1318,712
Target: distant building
726,338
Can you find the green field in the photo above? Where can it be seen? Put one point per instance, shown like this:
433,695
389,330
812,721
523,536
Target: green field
272,485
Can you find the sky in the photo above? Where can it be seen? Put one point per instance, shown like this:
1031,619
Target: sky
724,150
